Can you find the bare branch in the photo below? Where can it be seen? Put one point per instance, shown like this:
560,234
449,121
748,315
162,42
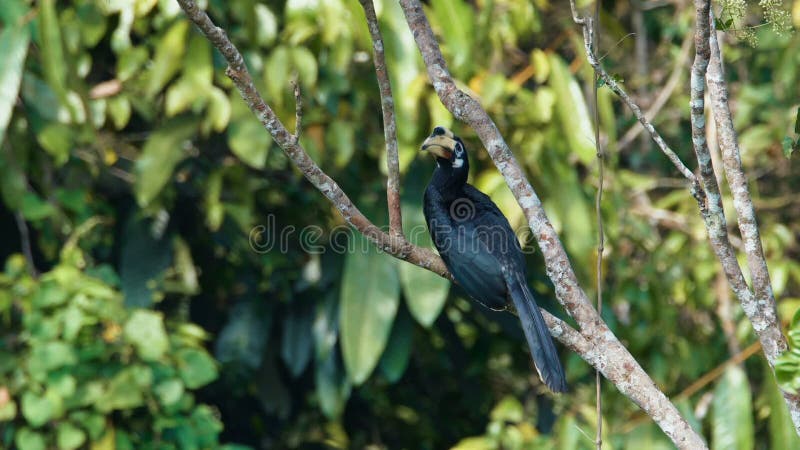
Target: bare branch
607,353
760,307
389,124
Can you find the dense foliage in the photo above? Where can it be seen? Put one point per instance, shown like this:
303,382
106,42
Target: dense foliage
172,282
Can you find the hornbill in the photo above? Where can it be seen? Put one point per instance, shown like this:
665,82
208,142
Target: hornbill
481,251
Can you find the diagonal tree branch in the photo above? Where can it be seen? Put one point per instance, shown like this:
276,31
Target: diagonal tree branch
608,354
389,124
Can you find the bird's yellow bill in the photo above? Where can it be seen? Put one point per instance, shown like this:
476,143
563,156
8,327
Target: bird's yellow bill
440,145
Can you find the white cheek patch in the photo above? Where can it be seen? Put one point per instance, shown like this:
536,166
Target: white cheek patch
457,163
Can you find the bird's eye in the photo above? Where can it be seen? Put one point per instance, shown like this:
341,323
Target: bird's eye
438,131
459,149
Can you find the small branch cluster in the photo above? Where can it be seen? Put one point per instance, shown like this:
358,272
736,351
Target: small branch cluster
759,303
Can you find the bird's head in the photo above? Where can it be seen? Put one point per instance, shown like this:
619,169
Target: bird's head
446,147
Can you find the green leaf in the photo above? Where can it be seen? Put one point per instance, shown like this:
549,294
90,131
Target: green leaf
69,437
145,330
509,409
55,68
297,340
572,111
196,367
169,391
244,337
781,429
122,393
247,137
398,352
788,146
48,356
145,257
162,152
13,51
8,409
27,439
34,208
168,58
732,421
797,121
368,303
57,139
333,386
39,409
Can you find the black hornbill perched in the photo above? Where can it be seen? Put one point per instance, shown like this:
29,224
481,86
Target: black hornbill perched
480,249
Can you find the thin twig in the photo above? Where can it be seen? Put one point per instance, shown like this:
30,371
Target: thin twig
389,124
609,356
25,243
598,441
663,95
298,109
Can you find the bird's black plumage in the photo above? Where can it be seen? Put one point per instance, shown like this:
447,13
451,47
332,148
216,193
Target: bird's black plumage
479,248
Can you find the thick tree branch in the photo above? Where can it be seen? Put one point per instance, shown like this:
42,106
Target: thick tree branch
389,124
607,354
760,306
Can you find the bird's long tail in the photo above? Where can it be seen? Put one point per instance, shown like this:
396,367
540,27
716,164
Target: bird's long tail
545,357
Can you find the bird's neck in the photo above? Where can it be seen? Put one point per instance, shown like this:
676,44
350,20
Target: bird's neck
449,181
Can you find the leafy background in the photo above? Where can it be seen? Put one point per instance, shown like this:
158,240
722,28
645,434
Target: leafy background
167,299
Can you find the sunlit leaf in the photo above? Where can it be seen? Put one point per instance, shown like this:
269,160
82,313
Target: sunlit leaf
13,50
145,330
168,57
572,111
161,153
732,420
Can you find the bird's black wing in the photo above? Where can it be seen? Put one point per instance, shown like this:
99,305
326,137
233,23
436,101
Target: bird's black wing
500,241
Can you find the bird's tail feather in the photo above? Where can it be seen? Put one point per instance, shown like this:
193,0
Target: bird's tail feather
545,357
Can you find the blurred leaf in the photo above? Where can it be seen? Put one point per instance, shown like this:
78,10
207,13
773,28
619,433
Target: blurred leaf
245,335
475,443
196,367
341,138
456,19
326,325
161,153
55,67
394,361
13,51
145,256
39,409
168,57
368,303
333,385
297,340
732,420
57,139
572,111
27,439
781,429
69,437
34,208
509,409
247,137
145,330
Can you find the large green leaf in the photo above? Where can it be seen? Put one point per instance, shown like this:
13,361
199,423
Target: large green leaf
572,111
244,337
781,429
145,257
369,297
425,292
732,420
333,386
395,359
168,58
13,50
55,67
162,152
